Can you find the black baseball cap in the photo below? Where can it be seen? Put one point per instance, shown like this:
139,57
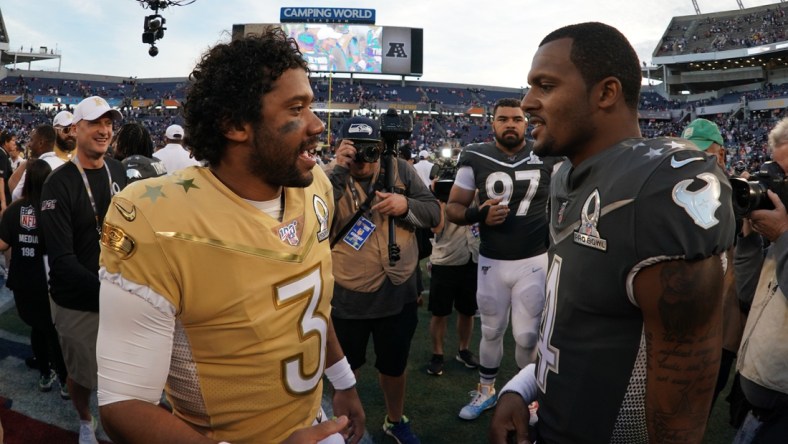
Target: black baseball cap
360,128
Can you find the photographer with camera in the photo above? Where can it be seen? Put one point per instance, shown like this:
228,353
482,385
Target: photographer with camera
374,293
763,355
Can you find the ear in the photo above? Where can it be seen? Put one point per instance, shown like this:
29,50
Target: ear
608,92
237,133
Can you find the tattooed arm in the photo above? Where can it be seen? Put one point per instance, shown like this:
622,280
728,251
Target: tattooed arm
681,303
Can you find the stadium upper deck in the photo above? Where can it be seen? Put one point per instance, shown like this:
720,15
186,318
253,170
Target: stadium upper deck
709,55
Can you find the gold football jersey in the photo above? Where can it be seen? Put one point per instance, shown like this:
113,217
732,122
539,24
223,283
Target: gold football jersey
252,296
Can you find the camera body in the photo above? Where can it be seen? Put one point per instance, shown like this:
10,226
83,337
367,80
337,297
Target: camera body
393,128
750,195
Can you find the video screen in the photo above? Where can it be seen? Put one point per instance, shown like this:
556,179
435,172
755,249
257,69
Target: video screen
339,47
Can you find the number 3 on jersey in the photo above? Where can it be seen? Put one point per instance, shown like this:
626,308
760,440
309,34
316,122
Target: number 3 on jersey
547,354
507,185
296,378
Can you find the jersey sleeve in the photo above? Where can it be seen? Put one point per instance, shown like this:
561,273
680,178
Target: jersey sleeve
129,247
684,210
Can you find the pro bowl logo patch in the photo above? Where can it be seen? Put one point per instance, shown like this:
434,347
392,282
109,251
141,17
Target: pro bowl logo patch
27,217
587,234
321,212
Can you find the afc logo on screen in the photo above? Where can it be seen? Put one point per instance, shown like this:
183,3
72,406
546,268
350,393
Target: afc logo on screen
397,50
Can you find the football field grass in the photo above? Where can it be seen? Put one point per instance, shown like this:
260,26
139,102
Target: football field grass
433,402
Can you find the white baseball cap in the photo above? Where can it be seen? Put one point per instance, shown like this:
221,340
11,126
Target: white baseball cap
63,118
424,154
94,107
174,132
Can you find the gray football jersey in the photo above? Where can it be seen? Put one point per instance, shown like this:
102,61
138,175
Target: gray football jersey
522,182
634,204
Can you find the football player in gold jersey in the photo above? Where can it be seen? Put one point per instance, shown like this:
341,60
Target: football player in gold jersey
216,281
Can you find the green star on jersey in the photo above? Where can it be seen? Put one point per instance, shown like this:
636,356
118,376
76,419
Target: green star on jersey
153,193
187,184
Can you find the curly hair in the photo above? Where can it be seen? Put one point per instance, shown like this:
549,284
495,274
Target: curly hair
599,51
228,85
133,138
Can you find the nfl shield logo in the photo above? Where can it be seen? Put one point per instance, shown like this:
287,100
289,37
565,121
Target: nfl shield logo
27,218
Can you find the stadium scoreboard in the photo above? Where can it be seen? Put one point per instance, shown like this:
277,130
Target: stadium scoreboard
346,40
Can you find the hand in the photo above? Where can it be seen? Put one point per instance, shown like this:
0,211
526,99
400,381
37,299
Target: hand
510,419
391,204
770,223
315,433
497,213
345,153
347,403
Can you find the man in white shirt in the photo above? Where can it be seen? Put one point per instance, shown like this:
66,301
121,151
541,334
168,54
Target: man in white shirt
174,156
425,168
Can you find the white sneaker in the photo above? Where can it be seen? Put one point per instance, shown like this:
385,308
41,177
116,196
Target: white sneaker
87,431
483,398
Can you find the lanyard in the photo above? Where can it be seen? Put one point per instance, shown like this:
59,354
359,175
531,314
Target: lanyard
354,191
90,193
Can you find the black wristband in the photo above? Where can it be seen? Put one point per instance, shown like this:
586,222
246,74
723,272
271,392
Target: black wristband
475,214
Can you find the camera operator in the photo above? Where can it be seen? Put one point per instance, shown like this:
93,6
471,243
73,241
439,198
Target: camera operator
763,355
372,294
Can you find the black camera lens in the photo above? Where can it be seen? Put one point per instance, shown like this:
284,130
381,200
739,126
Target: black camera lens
748,196
367,152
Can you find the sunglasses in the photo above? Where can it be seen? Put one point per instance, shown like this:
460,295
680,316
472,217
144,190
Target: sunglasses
64,129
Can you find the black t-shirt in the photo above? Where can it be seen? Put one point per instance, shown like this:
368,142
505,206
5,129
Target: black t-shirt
71,229
521,180
20,229
632,205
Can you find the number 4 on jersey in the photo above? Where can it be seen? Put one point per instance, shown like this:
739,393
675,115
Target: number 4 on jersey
547,354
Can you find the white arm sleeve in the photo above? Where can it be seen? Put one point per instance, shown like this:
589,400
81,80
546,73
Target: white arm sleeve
465,179
134,343
523,383
17,192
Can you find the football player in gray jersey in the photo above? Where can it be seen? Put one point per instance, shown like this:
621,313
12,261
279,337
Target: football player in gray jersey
512,183
630,340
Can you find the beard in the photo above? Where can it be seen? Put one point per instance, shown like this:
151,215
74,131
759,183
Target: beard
277,164
510,143
66,144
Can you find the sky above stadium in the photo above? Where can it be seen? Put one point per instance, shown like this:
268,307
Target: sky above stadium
465,41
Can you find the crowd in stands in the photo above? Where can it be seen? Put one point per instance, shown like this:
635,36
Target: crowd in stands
745,139
712,34
130,89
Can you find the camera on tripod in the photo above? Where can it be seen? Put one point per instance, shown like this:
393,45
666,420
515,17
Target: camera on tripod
393,128
750,195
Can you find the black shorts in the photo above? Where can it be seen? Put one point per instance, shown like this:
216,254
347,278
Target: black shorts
391,338
453,284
